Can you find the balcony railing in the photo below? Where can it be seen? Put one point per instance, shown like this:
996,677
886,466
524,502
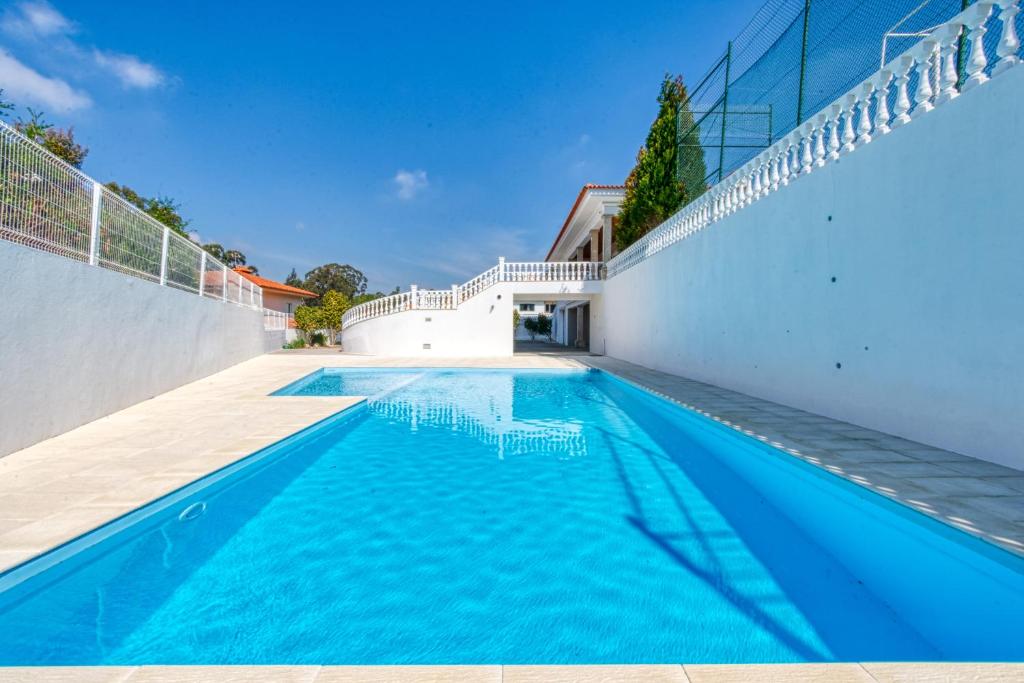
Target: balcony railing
447,299
913,84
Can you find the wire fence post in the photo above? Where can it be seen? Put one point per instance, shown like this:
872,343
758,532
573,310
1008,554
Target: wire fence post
725,108
803,66
202,273
163,256
94,224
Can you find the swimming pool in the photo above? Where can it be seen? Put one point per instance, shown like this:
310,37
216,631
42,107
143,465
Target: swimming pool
510,516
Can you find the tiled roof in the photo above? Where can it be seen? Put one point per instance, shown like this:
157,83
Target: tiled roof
273,285
576,205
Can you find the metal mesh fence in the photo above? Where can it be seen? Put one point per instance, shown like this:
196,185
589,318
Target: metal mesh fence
794,58
49,205
44,205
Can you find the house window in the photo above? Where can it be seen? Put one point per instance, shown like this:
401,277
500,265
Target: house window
289,309
549,308
526,307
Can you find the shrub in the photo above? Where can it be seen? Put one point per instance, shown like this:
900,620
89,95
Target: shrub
531,326
295,344
515,320
317,339
544,325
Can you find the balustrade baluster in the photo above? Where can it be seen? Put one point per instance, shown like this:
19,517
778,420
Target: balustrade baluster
881,88
784,164
902,106
975,19
774,169
864,112
819,139
949,38
794,152
924,55
806,156
849,103
1009,43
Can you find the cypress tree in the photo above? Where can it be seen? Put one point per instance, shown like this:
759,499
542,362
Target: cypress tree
654,188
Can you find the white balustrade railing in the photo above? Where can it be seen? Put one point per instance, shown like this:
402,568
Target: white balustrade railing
853,120
448,299
49,205
274,320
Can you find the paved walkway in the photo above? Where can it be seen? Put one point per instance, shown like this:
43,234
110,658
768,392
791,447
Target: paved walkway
62,487
671,673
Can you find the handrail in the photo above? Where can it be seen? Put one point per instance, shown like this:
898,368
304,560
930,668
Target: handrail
852,121
449,299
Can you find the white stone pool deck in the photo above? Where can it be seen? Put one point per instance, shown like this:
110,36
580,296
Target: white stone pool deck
67,485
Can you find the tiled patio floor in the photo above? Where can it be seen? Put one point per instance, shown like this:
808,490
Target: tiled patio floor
62,487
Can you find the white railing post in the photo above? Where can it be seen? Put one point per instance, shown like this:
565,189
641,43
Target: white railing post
455,296
412,296
224,284
976,18
163,256
241,289
94,224
501,269
202,272
1009,43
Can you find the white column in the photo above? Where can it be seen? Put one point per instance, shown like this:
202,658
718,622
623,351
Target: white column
94,224
501,269
595,244
607,237
163,256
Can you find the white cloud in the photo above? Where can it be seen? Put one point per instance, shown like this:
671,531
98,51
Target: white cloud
410,183
37,19
129,69
22,83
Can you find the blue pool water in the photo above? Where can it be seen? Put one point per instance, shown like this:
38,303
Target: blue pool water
515,517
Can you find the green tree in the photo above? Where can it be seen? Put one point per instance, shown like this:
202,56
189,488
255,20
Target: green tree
215,250
308,320
544,325
5,106
293,279
332,306
531,326
335,277
58,141
163,209
515,320
653,189
234,258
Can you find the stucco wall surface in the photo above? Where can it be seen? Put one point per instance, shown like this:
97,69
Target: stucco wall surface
886,289
80,342
480,327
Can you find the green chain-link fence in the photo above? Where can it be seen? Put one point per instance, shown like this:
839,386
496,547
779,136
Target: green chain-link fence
792,59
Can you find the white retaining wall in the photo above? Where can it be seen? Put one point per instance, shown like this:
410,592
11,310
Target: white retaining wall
479,327
79,342
921,332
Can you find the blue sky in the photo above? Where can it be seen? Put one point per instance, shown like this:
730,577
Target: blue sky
415,141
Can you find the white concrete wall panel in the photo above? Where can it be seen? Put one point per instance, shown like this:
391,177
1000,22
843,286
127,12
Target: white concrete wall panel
886,289
79,342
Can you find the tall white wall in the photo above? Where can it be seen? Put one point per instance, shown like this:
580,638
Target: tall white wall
79,342
886,290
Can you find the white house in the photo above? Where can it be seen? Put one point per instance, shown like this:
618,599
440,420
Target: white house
586,235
